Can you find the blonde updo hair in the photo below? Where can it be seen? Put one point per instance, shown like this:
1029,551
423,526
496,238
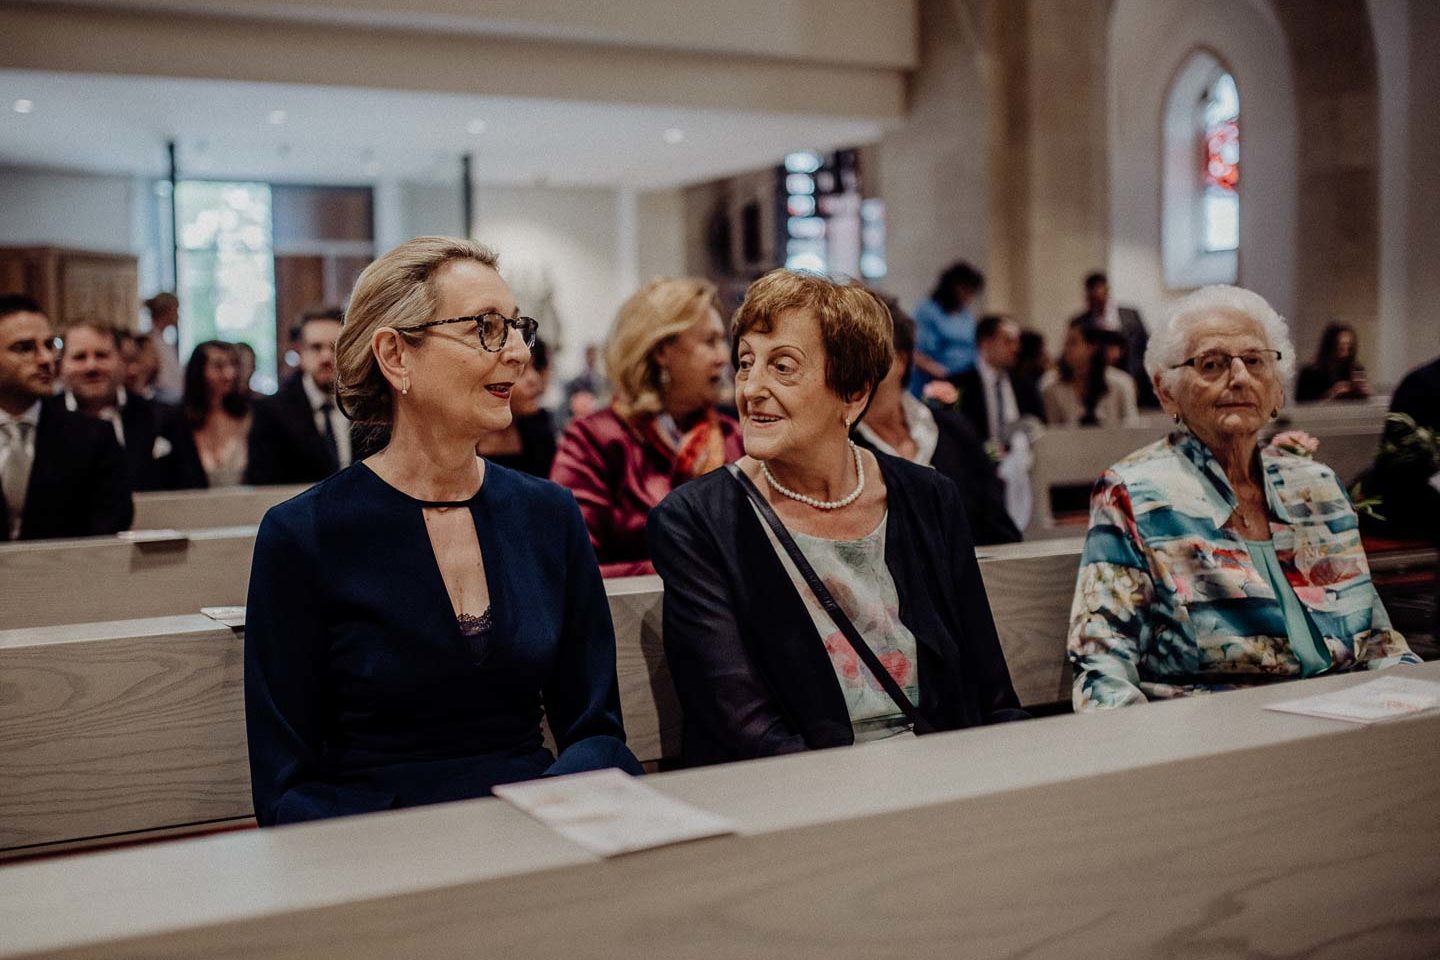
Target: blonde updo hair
397,290
660,310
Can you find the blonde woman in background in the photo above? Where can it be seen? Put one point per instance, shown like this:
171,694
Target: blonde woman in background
666,358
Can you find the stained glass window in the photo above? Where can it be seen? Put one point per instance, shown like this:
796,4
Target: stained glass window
1220,219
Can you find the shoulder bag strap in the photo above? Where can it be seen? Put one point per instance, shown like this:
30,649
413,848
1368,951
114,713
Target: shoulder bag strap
842,622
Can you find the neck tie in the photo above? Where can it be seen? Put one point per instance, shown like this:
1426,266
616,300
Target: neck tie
999,407
15,476
328,431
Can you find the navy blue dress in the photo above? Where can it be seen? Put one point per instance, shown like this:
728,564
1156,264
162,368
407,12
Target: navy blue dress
362,692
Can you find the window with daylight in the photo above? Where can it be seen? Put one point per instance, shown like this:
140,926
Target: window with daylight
1221,157
830,226
1200,214
227,268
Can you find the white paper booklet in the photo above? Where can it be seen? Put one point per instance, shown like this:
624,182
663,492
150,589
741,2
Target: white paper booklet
1383,698
610,812
230,616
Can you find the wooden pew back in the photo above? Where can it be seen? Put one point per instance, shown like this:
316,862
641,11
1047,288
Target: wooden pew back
137,726
197,509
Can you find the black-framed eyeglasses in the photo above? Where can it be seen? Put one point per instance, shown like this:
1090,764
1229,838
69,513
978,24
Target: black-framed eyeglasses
494,329
1214,364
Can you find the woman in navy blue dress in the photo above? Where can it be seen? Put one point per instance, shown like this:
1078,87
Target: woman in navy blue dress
411,618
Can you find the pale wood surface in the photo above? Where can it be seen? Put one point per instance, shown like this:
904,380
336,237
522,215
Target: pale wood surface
120,727
104,578
1206,827
138,725
197,509
1077,457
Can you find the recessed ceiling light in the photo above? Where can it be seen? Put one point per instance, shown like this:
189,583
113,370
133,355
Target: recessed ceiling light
24,106
476,126
674,135
277,117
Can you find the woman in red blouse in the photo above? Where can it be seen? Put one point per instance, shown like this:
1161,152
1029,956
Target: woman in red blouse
666,357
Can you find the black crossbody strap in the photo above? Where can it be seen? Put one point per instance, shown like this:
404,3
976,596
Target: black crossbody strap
827,602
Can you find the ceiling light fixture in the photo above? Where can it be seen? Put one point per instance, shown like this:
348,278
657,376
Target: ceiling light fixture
674,135
476,126
277,117
24,106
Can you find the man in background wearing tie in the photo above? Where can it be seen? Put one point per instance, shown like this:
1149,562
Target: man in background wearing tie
158,444
989,396
62,474
299,435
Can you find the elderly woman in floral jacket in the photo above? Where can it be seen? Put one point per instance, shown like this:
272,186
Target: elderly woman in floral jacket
1211,562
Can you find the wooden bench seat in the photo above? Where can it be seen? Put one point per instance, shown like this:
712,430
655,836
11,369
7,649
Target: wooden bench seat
1156,831
195,509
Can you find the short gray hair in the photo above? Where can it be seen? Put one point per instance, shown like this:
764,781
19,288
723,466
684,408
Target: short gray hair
1167,345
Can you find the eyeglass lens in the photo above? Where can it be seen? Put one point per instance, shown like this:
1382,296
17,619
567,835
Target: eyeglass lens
1214,365
494,330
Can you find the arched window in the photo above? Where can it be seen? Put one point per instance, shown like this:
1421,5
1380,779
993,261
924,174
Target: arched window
1200,232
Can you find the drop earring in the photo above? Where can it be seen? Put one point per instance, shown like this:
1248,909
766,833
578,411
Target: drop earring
1176,418
405,385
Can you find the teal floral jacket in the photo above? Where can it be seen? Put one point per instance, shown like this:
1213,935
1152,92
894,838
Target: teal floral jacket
1169,603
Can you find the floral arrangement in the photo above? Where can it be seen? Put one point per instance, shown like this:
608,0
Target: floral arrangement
1406,450
1297,443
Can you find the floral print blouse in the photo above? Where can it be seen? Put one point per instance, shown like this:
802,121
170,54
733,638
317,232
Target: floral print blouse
1169,603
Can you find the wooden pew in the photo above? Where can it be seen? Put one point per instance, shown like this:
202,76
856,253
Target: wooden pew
982,843
197,509
137,727
1077,457
49,582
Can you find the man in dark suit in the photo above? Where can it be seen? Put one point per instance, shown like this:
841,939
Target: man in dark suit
61,474
299,435
991,399
1128,335
159,447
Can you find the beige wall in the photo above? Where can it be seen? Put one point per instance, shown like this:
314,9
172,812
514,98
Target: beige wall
57,208
932,169
404,58
1422,310
660,237
859,32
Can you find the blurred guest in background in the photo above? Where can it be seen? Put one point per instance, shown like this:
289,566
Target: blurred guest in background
1336,373
413,618
585,390
666,361
158,446
1210,562
1126,345
990,397
61,473
898,424
528,443
140,362
164,310
1032,361
246,353
1083,390
217,412
945,327
300,435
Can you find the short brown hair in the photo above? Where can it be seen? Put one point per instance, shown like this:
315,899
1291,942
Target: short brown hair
397,291
855,325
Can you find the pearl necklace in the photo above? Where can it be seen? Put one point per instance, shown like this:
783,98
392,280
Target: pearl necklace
844,501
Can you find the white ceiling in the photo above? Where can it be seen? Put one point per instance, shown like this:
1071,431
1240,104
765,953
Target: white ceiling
118,124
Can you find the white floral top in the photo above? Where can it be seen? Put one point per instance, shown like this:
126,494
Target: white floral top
854,572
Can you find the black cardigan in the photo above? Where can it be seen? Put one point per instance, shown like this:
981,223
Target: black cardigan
751,673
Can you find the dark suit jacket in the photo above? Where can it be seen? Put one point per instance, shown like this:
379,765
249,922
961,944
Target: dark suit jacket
975,405
361,692
1411,506
285,445
179,468
961,456
751,673
79,485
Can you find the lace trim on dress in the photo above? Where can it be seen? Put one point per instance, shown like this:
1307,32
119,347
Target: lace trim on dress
476,629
